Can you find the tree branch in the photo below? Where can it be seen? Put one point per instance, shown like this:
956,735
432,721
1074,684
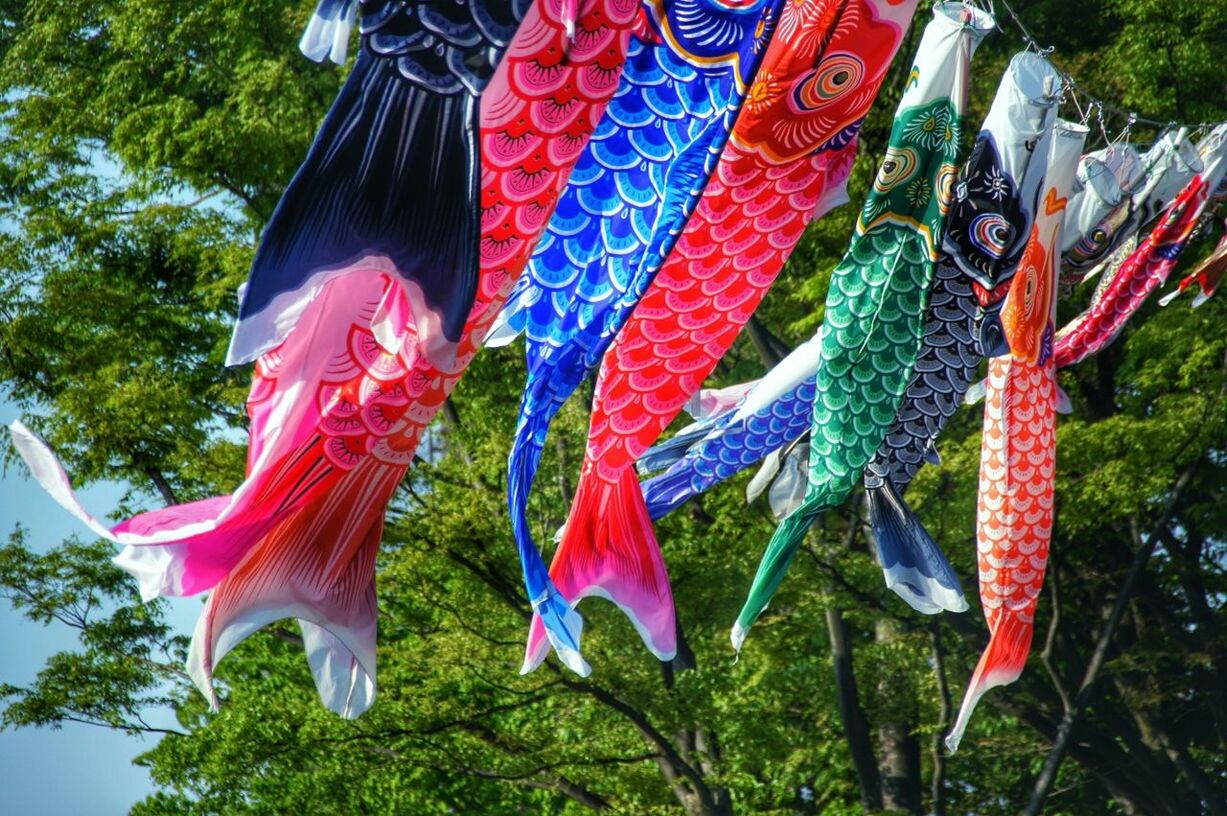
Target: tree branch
1048,775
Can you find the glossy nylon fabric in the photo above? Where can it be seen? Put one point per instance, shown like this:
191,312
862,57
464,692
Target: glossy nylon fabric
338,409
1102,200
995,201
1018,450
795,134
1206,277
403,130
633,188
874,315
996,205
1126,288
1165,169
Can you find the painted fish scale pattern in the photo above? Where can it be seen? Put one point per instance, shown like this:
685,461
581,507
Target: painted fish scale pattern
633,189
647,163
865,367
1145,270
720,457
947,364
1015,504
698,302
816,82
874,317
877,299
377,393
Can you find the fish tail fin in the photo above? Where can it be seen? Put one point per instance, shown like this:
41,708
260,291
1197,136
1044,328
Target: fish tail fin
914,566
328,30
555,622
608,549
1170,296
355,207
780,551
1001,664
318,567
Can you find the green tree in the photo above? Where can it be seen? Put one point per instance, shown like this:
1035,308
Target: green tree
142,146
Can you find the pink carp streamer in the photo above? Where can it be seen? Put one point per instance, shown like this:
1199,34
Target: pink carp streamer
338,409
785,164
1147,267
1018,451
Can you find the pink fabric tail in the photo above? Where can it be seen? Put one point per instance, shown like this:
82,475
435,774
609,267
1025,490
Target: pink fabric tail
1001,664
334,392
609,550
317,566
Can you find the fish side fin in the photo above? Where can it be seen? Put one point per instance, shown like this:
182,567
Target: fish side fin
975,392
766,474
788,488
1064,404
663,454
609,550
1170,296
914,566
50,476
1001,664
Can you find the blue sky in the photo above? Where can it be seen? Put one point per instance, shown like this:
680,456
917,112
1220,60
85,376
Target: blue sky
78,769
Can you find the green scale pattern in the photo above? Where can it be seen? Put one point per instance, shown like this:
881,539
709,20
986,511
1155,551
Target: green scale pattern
873,327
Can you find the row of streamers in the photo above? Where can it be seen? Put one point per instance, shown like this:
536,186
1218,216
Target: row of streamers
790,149
338,408
1111,187
995,199
1126,287
874,315
668,154
633,189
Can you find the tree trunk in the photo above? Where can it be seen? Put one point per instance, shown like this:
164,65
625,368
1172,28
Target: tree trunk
856,727
899,757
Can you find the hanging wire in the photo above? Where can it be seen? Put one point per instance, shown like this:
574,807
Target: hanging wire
1131,118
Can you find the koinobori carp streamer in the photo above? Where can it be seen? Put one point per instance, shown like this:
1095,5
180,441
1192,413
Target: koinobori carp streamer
630,195
1018,451
874,315
337,410
788,153
995,201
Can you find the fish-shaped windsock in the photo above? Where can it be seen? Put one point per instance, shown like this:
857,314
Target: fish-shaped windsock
820,74
1166,168
775,412
338,408
997,200
874,316
632,190
403,130
1018,451
1102,203
1147,267
1206,277
986,231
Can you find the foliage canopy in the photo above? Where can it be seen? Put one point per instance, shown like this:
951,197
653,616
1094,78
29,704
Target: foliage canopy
143,145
